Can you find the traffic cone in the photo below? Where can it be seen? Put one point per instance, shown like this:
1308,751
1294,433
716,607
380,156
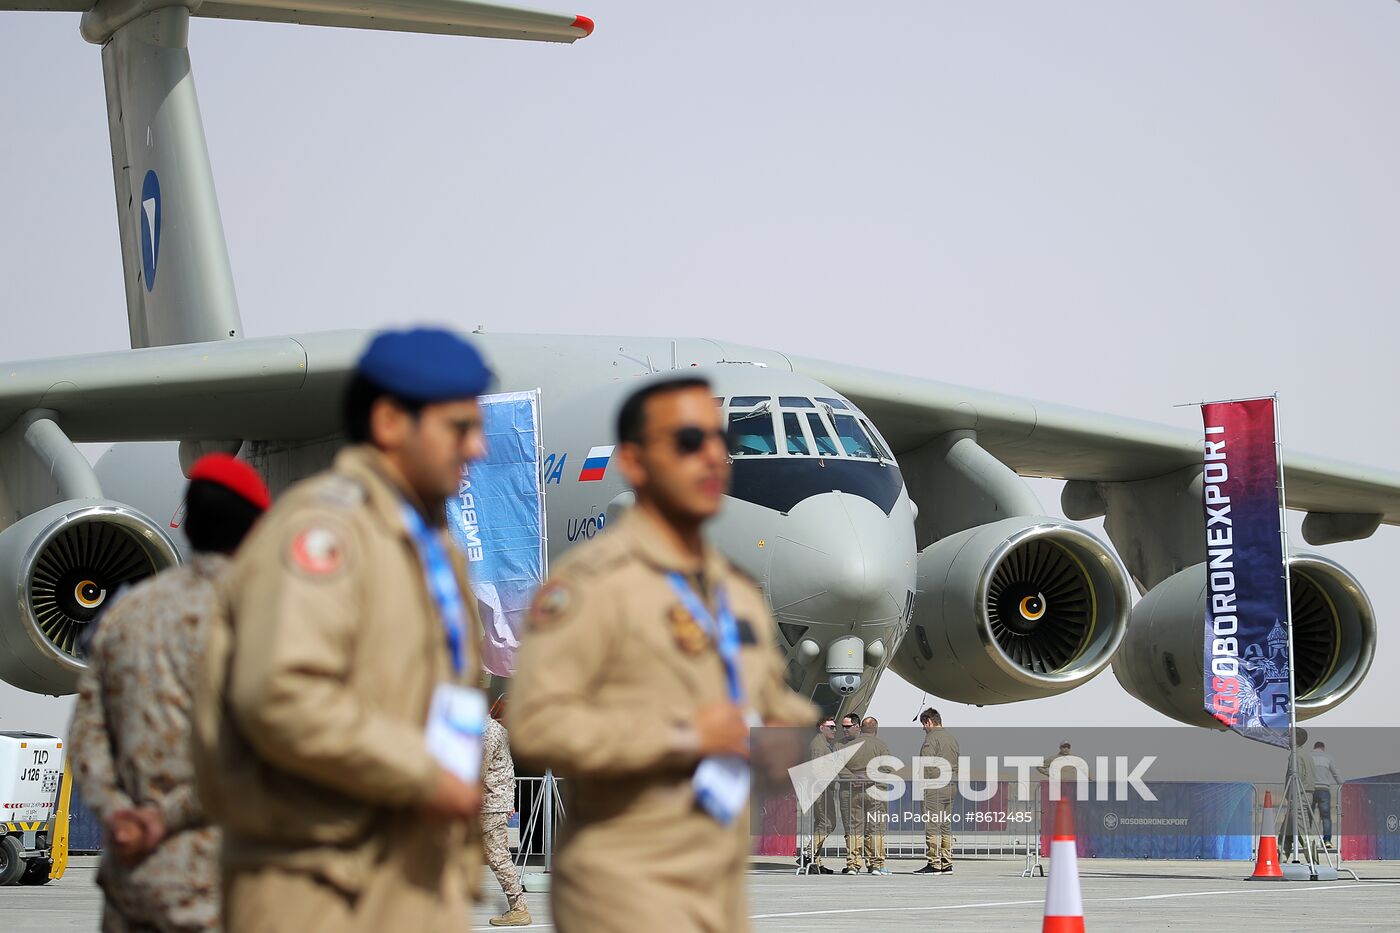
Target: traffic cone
1064,909
1266,866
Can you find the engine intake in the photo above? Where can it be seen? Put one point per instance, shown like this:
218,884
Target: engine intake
1014,610
1161,661
68,561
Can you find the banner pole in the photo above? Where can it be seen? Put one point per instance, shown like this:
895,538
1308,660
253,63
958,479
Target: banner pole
1294,790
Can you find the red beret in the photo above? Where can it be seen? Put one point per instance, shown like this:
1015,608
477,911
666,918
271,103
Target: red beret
234,475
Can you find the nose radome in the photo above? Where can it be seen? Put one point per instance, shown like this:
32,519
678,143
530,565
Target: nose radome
838,558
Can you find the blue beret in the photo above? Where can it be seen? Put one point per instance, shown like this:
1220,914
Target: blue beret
426,364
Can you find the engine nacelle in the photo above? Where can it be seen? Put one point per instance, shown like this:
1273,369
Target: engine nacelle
1014,610
1161,660
65,562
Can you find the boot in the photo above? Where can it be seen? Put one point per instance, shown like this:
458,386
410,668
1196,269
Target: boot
517,916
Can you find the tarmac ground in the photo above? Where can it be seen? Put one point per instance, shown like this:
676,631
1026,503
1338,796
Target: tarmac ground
980,895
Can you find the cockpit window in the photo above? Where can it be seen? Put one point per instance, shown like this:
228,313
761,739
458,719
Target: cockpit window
826,446
879,441
853,437
751,435
796,440
758,428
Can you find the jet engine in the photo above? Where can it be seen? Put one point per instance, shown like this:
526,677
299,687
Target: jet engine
1014,610
1161,660
65,563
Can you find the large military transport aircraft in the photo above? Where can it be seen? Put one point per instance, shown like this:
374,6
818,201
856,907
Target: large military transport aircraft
885,517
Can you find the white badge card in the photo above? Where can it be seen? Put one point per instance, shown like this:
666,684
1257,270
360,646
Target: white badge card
456,724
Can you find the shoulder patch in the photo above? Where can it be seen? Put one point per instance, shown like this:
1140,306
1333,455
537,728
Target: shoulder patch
316,549
553,603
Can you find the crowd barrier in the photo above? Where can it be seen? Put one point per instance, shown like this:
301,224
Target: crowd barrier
1222,821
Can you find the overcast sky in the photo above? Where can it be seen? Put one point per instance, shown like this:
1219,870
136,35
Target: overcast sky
1121,206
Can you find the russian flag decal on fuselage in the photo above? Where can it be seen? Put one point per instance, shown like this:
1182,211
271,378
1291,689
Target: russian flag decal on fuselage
595,464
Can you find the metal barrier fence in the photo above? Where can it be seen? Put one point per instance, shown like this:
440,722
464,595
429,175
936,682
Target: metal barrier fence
541,810
1004,824
1364,817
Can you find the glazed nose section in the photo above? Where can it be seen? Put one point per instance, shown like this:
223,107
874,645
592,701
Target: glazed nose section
842,559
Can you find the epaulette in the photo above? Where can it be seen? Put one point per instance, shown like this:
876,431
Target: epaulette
339,491
600,555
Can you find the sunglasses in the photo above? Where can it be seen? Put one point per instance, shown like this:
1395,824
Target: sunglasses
690,440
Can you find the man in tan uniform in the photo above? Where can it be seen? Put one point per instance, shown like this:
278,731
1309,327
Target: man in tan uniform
824,808
623,687
870,813
938,802
311,719
131,728
850,793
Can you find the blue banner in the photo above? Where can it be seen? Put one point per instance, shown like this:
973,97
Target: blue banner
1246,669
1186,821
497,518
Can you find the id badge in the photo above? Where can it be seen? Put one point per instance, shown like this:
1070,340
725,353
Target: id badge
456,724
721,782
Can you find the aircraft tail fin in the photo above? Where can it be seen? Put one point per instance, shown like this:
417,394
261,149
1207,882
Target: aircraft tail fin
175,265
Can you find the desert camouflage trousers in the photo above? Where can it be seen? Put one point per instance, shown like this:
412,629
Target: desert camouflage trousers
493,828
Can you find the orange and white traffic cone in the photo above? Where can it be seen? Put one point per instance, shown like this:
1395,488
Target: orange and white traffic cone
1064,908
1266,866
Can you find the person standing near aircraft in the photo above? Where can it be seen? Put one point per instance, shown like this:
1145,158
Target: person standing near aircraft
338,731
498,786
824,808
1297,819
131,726
870,814
938,802
1049,765
848,783
649,626
1325,771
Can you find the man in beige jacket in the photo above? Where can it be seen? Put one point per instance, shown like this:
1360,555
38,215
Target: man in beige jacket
623,687
348,610
938,802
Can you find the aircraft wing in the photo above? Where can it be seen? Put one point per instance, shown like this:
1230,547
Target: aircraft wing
288,388
273,387
46,6
1041,439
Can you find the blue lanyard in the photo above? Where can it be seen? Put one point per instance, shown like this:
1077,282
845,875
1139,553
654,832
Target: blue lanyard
721,627
442,584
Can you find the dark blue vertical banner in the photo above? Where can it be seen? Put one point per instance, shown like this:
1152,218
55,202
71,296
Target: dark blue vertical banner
1246,636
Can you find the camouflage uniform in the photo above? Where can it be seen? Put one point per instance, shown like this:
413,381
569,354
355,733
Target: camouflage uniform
498,785
129,741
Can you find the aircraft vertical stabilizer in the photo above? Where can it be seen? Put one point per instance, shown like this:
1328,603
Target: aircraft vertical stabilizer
175,265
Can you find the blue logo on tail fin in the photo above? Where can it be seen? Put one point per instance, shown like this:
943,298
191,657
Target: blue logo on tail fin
150,228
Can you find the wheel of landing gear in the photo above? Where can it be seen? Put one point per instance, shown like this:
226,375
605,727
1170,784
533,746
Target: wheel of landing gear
36,871
11,860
